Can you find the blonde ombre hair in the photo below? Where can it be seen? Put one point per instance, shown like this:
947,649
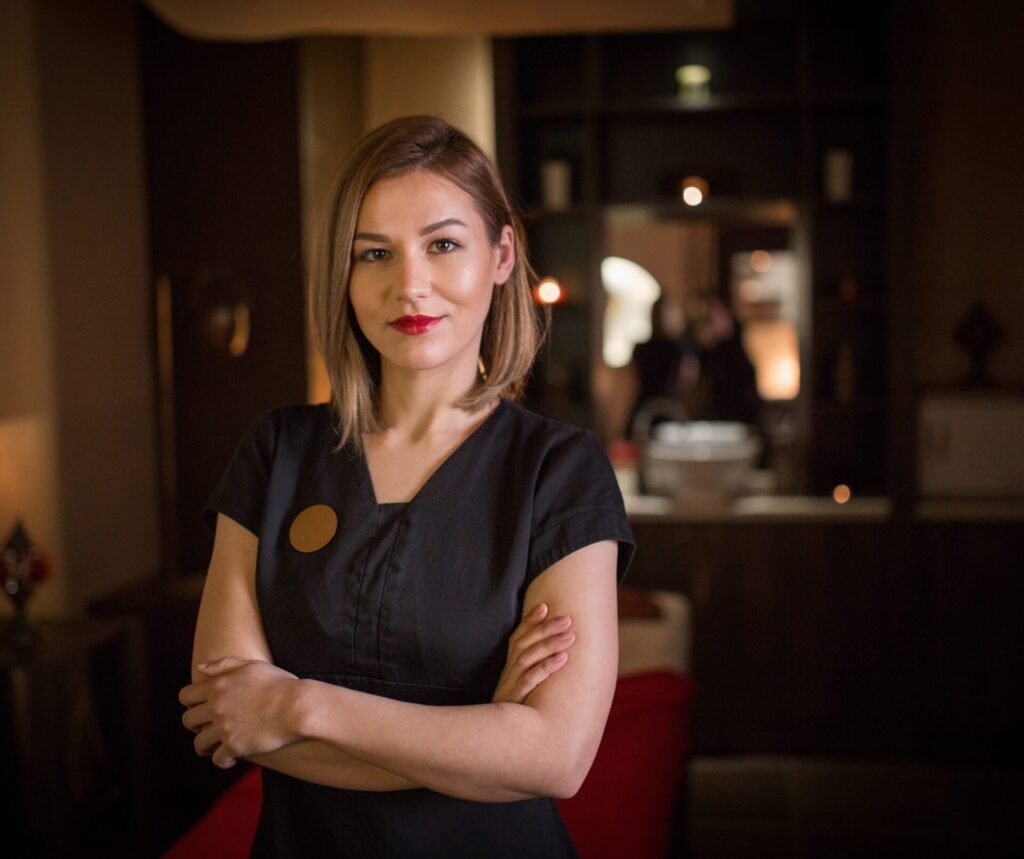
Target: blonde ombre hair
513,330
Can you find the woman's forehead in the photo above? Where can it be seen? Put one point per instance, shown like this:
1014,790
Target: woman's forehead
413,201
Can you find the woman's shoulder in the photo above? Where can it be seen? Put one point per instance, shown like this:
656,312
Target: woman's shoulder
300,414
296,414
546,434
291,420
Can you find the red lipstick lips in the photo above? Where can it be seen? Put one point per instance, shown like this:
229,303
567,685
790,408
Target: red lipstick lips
414,324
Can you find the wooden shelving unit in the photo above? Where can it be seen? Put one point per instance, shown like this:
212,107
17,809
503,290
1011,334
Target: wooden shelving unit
789,82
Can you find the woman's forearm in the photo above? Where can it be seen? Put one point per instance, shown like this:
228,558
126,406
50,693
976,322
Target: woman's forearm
485,752
321,763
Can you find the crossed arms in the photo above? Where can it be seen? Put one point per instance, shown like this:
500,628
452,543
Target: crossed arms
537,737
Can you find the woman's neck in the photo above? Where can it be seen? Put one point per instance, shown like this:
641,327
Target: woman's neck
417,404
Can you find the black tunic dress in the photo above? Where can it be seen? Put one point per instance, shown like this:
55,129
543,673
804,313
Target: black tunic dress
412,601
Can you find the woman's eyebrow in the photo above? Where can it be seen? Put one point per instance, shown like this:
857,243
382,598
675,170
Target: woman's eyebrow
380,237
371,237
447,222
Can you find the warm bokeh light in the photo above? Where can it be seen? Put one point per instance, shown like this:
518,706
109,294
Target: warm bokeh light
693,75
761,261
775,354
548,291
693,190
694,83
841,494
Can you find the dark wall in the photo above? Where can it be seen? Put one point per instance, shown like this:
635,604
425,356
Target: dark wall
221,126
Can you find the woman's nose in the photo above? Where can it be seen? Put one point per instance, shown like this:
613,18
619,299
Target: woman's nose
414,278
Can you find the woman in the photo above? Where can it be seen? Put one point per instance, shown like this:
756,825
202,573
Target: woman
382,563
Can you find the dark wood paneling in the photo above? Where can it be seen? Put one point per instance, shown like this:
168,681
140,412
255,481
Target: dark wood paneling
820,638
221,123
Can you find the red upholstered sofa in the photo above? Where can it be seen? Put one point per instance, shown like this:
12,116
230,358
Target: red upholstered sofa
623,809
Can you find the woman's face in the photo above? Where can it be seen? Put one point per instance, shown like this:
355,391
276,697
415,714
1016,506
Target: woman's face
423,272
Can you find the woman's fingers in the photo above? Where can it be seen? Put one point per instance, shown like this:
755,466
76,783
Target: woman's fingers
537,674
223,759
210,743
539,632
206,741
528,623
531,649
194,693
532,662
219,666
555,643
195,717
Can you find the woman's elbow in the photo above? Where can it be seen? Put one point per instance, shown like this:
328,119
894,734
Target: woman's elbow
568,783
569,775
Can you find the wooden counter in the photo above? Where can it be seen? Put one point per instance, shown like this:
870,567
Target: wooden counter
820,632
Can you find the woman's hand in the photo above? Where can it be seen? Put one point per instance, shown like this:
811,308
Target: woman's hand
536,650
244,708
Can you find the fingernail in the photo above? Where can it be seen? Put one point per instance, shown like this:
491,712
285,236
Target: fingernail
561,621
203,665
540,609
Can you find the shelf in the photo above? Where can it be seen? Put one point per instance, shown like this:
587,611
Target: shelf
717,103
533,213
721,103
849,98
788,83
560,109
866,304
825,408
780,212
752,210
660,104
874,201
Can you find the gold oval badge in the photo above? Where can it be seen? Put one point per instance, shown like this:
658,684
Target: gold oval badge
313,528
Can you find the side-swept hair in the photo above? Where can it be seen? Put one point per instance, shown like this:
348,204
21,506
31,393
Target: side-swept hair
513,330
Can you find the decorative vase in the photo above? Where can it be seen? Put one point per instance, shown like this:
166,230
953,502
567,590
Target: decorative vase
24,568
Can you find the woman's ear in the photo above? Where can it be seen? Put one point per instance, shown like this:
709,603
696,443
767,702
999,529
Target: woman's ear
505,255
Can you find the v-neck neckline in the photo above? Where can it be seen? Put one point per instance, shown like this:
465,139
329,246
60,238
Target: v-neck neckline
368,478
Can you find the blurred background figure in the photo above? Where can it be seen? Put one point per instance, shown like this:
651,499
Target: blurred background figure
657,366
718,382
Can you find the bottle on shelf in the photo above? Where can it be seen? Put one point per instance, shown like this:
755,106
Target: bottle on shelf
844,374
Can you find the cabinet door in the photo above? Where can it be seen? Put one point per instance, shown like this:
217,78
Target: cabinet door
959,681
791,628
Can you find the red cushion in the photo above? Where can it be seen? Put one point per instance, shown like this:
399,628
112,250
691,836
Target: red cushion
623,809
227,829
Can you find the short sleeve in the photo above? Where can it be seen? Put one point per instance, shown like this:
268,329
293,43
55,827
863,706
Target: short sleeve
577,502
242,490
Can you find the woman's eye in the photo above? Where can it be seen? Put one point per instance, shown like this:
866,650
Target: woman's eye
445,245
374,255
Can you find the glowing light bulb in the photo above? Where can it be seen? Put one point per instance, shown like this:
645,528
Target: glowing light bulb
693,190
841,494
694,83
549,291
761,261
692,196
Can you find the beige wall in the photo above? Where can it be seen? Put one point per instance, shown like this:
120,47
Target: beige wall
448,76
348,86
330,122
76,388
28,485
